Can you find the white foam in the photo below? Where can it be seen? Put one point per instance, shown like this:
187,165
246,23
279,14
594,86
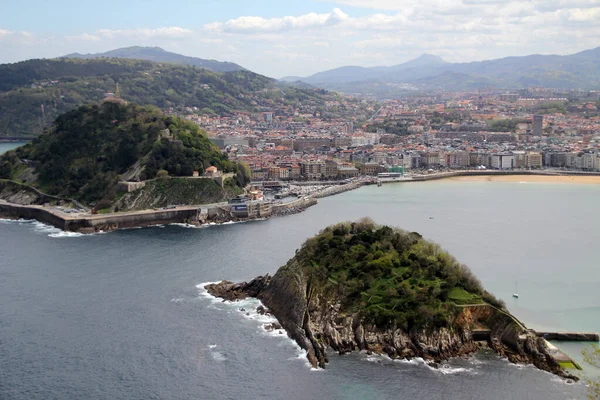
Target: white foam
63,234
448,370
445,369
202,292
377,358
413,361
189,226
40,227
250,313
218,356
212,346
176,300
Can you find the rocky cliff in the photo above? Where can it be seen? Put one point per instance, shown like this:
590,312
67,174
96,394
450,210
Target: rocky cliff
316,316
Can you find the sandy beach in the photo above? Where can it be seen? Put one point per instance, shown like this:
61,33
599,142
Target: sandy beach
580,180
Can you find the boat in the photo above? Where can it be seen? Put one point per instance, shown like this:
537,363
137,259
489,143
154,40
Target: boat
516,293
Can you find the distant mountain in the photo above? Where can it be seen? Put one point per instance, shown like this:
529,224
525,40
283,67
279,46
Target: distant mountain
157,54
455,81
291,78
580,70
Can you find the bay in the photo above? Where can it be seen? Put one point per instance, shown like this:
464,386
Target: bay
122,315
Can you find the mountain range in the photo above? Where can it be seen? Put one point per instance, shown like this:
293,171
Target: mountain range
580,70
156,54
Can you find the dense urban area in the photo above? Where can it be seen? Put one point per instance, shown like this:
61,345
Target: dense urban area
531,128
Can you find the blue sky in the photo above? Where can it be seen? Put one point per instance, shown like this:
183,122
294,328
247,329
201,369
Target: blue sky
71,16
279,38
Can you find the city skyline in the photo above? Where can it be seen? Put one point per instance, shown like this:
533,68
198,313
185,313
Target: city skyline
277,39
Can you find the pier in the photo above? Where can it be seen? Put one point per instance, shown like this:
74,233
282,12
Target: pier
570,336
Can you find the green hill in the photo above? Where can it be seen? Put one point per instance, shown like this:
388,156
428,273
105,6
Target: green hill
157,54
368,287
87,151
33,93
391,277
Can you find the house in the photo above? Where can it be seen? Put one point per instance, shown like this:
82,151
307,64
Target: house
212,171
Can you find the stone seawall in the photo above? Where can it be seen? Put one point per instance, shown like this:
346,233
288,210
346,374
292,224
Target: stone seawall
137,220
333,190
95,223
39,213
293,207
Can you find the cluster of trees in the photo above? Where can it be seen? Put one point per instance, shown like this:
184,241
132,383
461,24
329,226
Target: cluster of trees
392,276
396,127
143,82
87,149
503,125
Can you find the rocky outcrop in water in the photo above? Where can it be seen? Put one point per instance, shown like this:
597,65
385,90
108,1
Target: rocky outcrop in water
314,322
317,317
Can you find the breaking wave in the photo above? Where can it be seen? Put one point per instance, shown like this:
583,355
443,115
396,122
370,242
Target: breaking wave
247,308
51,231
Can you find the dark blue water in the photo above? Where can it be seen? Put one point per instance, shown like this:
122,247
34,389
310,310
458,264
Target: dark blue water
120,316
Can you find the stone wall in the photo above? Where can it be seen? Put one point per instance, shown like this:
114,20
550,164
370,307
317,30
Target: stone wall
130,186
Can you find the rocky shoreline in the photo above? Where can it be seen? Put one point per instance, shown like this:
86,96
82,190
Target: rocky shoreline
315,324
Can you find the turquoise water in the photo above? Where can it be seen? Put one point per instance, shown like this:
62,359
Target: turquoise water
6,146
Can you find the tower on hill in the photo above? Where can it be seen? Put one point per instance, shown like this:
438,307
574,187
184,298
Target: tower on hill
114,97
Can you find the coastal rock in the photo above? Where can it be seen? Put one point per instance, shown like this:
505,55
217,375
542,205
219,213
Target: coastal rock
314,328
317,318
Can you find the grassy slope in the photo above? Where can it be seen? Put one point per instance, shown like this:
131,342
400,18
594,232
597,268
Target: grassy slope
176,191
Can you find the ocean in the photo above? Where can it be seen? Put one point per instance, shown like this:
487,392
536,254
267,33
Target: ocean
123,315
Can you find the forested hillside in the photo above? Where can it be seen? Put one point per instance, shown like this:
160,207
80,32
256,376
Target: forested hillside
33,93
87,150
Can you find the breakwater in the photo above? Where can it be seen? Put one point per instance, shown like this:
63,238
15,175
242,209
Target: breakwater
293,207
570,336
86,223
333,190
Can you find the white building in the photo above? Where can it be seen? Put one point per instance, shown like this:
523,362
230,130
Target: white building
502,161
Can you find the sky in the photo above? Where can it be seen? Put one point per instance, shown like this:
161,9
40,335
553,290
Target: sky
281,38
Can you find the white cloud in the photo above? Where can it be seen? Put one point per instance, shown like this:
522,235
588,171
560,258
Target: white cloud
270,25
393,32
21,37
84,37
589,14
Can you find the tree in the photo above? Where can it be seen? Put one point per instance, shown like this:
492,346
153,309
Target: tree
591,355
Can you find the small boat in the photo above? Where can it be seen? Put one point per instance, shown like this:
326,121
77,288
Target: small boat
516,293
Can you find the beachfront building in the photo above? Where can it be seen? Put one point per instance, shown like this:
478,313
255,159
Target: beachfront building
502,161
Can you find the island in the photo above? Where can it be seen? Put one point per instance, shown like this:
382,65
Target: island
359,286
